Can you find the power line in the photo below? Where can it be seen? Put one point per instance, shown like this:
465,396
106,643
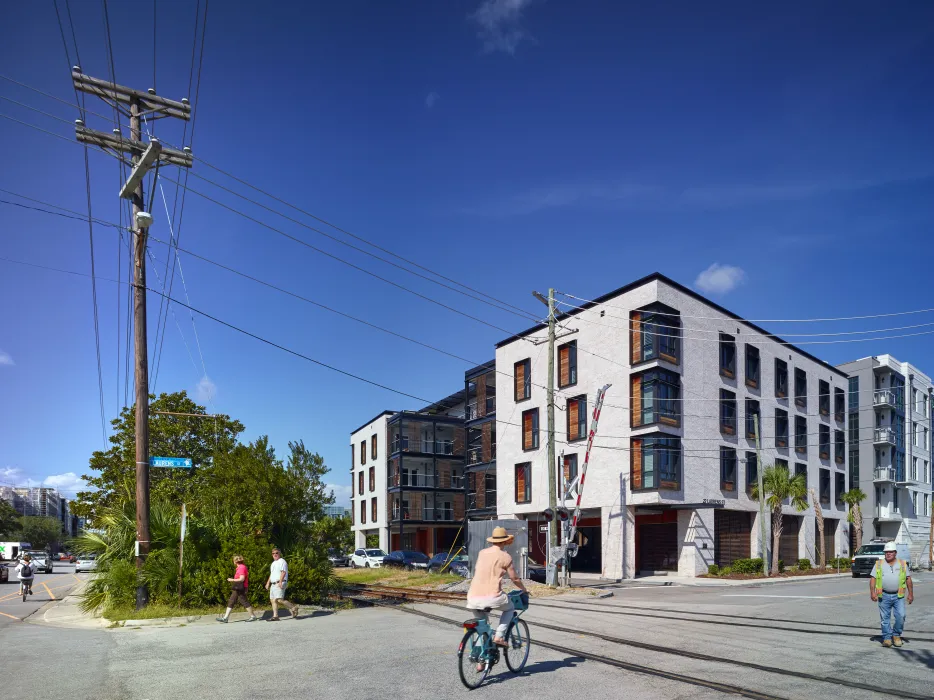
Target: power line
97,332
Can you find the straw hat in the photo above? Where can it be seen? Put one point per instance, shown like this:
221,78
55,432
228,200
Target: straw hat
500,536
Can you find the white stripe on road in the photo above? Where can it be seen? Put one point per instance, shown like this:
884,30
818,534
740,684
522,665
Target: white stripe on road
763,595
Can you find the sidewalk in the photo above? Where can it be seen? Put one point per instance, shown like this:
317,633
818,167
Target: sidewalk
66,613
662,581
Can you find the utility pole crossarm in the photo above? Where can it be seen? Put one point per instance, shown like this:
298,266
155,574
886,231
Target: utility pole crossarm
143,166
131,147
152,104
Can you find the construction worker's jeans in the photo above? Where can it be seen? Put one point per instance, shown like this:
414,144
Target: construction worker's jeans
890,603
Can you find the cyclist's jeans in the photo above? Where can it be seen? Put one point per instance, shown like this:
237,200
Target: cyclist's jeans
507,610
890,603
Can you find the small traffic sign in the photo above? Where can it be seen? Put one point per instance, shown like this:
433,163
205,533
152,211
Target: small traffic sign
543,528
176,462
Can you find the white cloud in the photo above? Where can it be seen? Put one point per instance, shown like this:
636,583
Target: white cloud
432,99
68,482
5,359
720,279
10,473
342,493
499,24
206,390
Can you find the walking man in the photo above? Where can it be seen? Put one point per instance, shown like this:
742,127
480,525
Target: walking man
276,584
888,584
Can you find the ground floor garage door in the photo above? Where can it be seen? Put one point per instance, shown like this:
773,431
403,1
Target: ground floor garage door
788,544
589,552
732,533
830,537
658,547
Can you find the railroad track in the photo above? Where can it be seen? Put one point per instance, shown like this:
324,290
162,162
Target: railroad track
404,594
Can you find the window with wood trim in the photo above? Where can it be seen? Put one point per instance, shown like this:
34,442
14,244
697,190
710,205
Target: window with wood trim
655,334
752,471
727,468
353,513
823,441
753,366
801,434
360,483
823,397
530,429
656,398
570,469
801,388
522,373
372,479
840,484
524,482
655,462
727,412
839,404
824,486
576,411
727,356
363,452
781,428
374,516
373,447
362,512
567,364
839,447
752,412
781,379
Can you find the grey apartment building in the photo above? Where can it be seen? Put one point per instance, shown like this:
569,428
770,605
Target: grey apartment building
669,481
889,418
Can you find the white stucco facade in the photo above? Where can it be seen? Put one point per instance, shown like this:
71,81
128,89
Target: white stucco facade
366,491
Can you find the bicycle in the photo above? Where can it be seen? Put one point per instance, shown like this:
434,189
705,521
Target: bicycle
477,647
26,588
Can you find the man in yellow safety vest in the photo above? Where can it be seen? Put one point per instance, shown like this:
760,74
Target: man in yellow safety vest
888,584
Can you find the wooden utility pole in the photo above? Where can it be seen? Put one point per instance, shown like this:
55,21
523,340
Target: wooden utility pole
144,155
552,482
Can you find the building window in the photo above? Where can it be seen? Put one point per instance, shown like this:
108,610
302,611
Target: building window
727,412
522,372
823,442
570,469
373,515
801,434
839,447
801,388
727,356
752,413
824,486
524,482
577,418
363,512
530,429
353,513
753,366
373,447
656,398
727,469
840,486
363,452
781,379
372,479
655,462
567,364
802,470
781,428
360,483
655,334
823,397
839,404
752,471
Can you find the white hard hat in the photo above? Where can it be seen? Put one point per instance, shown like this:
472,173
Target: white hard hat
890,547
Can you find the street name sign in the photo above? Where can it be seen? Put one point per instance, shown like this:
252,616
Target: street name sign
173,462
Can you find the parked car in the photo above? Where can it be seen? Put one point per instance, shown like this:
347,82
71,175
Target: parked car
866,556
367,558
455,563
41,561
85,563
536,572
406,560
336,558
4,573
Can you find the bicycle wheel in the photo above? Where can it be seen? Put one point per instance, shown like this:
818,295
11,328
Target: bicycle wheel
471,648
24,592
517,645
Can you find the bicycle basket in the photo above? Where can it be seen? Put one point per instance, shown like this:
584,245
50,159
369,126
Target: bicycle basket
519,600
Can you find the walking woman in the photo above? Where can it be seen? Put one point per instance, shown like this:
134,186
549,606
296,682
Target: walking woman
240,581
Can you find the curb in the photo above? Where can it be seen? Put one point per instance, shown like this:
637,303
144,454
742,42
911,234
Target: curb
755,582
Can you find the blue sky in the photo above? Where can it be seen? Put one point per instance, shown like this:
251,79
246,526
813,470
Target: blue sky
508,144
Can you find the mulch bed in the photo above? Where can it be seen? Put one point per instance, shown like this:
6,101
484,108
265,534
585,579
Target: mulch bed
785,574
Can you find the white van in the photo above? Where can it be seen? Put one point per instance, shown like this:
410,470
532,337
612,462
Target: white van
866,556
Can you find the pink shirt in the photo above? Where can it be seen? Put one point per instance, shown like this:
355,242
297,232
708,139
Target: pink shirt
487,582
242,571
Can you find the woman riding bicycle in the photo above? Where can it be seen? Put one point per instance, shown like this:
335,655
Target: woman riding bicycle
26,572
486,588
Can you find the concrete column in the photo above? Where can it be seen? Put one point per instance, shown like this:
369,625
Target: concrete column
384,539
617,525
695,541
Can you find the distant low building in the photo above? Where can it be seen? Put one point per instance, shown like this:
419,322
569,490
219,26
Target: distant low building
336,511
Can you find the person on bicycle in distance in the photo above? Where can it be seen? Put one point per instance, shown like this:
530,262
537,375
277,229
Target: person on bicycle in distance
25,571
486,587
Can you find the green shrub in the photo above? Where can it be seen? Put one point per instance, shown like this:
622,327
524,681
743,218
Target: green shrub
781,566
747,566
713,570
804,564
726,571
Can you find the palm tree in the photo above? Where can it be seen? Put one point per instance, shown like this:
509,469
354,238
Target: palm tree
819,521
779,486
853,498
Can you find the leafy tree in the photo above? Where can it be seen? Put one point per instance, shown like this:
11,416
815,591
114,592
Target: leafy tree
9,519
778,485
334,533
176,436
853,498
40,532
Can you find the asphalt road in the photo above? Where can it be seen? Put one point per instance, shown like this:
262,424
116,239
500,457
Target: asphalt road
45,588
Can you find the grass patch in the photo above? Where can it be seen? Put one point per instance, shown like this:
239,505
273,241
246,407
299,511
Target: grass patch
154,611
396,577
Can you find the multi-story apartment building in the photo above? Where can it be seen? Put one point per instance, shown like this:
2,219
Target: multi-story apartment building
480,424
35,501
669,481
890,429
369,450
